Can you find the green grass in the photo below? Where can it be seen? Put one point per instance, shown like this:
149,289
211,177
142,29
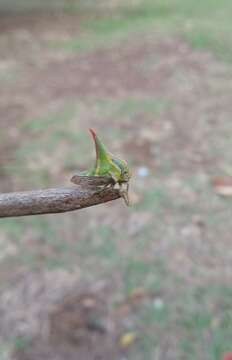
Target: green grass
155,200
51,121
21,342
206,332
116,27
129,107
53,135
138,273
207,329
5,350
205,24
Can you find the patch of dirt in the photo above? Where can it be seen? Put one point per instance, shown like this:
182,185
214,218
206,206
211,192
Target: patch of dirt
167,69
61,318
9,138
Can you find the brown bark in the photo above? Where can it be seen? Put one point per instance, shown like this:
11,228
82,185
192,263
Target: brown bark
55,200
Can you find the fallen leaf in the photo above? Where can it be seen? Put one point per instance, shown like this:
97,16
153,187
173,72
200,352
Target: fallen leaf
227,356
223,185
137,294
127,339
89,302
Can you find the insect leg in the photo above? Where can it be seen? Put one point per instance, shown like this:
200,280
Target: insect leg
124,193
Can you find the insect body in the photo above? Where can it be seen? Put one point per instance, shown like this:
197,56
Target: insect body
108,170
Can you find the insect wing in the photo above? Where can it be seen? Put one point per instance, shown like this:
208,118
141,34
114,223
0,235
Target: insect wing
91,180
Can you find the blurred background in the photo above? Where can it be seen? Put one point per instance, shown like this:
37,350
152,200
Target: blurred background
154,78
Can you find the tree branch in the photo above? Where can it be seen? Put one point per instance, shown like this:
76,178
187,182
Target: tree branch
50,201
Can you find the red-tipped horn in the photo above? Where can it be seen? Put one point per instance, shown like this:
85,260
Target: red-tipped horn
93,133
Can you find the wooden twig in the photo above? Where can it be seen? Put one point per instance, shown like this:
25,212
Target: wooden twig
55,200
